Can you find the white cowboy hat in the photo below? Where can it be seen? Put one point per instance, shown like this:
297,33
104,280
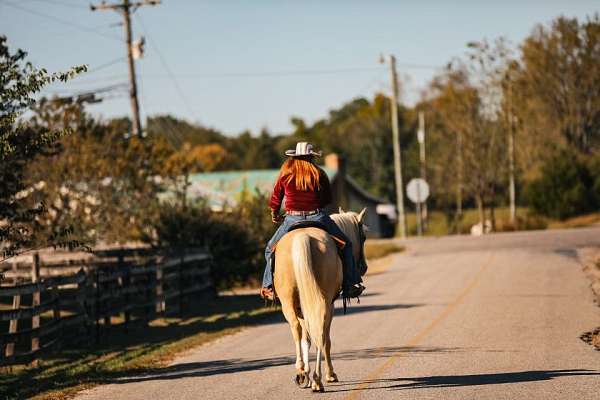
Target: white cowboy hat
303,149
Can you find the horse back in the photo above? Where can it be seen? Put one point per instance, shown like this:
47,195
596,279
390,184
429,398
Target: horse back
325,262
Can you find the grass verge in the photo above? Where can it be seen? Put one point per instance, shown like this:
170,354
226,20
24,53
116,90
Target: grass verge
438,223
140,349
374,250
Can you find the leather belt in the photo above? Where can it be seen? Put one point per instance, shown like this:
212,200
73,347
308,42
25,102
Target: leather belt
302,213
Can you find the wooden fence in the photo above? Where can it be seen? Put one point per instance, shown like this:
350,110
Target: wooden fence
78,299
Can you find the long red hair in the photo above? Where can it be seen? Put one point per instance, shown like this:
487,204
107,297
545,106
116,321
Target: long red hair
305,173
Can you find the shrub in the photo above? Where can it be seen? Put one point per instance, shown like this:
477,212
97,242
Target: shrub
236,238
565,187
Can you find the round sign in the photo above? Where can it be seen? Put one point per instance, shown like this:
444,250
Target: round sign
417,190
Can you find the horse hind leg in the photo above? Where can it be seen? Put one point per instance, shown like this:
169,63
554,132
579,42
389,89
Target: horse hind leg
305,347
317,384
330,375
302,377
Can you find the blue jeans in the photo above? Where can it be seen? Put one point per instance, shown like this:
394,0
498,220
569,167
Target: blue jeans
351,275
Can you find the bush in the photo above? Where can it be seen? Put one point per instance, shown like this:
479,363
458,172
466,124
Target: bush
527,222
236,238
565,187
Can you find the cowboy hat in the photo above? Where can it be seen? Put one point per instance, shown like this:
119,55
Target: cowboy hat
303,149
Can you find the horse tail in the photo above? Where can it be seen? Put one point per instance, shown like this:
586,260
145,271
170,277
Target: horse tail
312,300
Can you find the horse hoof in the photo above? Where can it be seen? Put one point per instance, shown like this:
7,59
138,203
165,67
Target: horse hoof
317,388
302,380
332,378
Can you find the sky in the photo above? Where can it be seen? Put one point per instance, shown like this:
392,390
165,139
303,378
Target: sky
253,64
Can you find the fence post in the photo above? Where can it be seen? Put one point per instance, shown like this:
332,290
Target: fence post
160,301
56,313
125,283
106,310
180,288
85,293
97,301
12,327
35,302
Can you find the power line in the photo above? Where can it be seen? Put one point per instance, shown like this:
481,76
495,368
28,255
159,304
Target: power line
106,65
108,78
62,21
126,8
103,89
268,74
372,81
62,3
166,67
274,73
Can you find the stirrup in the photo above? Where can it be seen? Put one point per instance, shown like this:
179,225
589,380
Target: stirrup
353,291
267,293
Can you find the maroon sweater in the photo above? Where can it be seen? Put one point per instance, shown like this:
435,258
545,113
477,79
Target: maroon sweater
297,200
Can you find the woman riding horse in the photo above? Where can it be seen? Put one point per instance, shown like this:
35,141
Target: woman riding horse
307,192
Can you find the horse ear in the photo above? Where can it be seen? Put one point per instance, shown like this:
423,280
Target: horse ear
361,215
340,210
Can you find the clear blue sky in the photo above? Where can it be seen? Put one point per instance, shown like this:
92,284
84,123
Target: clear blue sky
252,64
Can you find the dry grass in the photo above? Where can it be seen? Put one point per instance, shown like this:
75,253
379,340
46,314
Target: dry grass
439,225
378,254
374,250
576,222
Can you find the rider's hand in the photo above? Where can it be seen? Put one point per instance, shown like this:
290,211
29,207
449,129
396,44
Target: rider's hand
276,218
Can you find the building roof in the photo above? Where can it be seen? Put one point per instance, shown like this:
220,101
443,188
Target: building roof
222,189
226,188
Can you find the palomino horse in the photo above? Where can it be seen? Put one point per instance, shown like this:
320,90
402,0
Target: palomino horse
308,277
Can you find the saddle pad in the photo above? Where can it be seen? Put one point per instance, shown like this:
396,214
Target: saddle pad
339,242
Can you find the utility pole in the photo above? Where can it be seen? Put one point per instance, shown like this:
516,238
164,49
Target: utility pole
511,157
126,8
397,151
421,139
459,174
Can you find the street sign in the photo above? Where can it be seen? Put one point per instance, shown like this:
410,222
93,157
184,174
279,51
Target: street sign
417,190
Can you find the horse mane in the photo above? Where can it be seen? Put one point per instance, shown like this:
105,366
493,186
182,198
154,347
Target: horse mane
348,223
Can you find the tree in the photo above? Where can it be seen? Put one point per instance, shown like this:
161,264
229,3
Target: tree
19,145
467,99
557,84
565,187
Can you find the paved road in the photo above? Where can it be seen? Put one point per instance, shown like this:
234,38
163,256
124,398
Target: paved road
496,317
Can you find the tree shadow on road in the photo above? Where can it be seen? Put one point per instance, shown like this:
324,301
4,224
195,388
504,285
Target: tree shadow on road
230,366
449,381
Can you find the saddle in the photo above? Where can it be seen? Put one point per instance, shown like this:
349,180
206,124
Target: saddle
313,224
309,224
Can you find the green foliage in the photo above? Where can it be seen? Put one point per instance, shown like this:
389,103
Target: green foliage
236,238
557,84
95,176
565,187
19,145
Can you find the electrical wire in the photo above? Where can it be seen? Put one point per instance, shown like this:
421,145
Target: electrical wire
62,21
182,96
62,3
103,79
268,74
371,82
277,73
117,86
106,65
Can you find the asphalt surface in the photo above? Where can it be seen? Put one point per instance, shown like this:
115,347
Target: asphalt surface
495,317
